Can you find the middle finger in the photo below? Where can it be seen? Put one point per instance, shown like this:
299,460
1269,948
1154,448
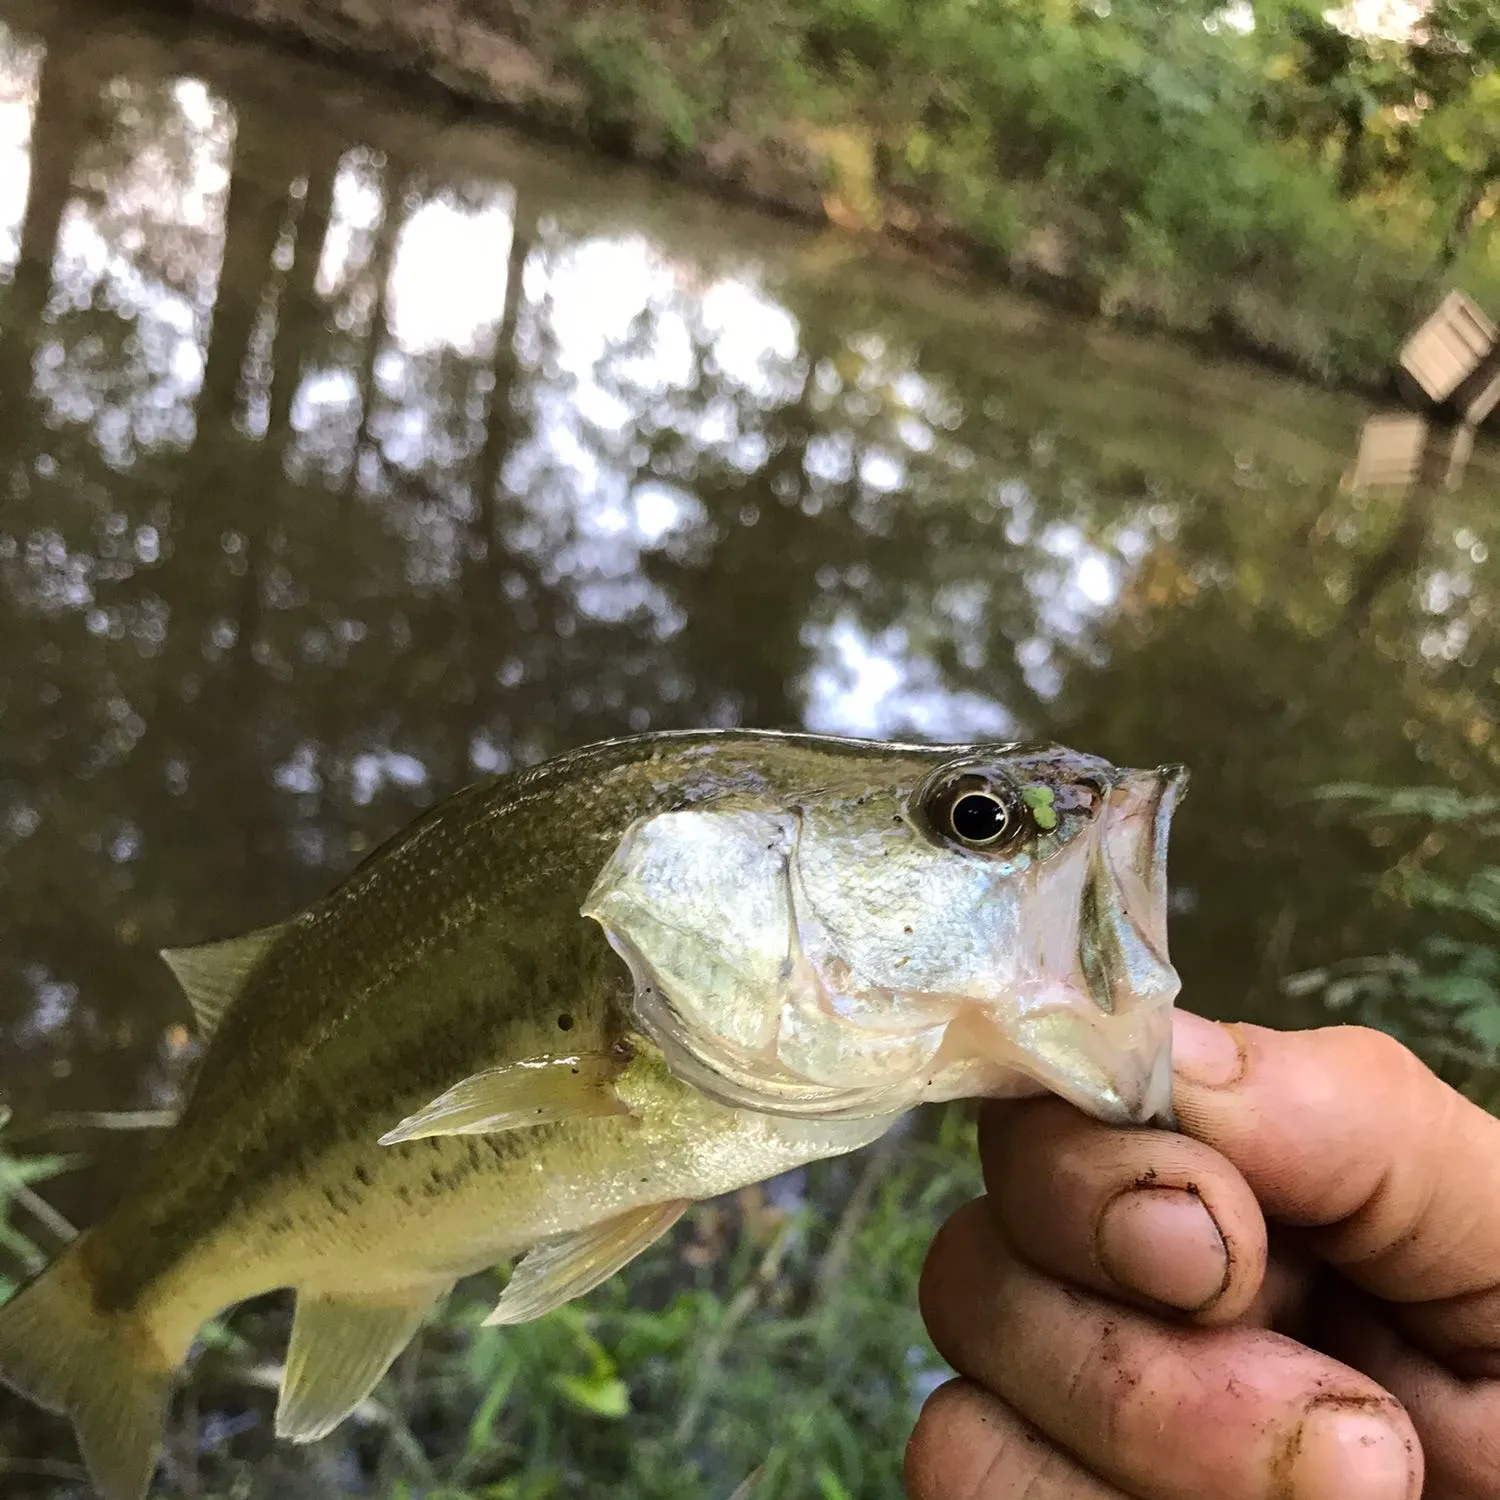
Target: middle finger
1167,1412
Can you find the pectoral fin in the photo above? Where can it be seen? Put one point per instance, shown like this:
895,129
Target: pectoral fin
559,1270
212,974
340,1348
538,1091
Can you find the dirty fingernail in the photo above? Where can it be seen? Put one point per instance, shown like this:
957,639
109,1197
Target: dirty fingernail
1203,1051
1346,1451
1163,1243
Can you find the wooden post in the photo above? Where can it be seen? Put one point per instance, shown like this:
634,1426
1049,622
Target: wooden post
1481,393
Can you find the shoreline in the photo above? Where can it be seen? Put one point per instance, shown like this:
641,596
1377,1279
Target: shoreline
477,56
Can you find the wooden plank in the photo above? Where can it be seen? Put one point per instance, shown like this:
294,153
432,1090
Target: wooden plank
1449,346
1390,452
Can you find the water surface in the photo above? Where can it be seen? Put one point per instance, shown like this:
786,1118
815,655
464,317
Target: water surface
351,448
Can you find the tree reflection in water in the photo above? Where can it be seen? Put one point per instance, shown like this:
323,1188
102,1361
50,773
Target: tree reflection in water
351,450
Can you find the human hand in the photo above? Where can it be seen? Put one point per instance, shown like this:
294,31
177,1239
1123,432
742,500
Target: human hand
1297,1299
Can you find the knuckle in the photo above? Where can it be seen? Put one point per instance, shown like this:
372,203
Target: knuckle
1106,1386
1390,1070
1378,1051
1117,1394
942,1440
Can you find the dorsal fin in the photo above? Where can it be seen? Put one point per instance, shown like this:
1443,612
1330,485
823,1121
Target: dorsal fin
212,974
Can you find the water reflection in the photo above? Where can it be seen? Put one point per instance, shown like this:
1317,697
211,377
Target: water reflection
18,84
348,454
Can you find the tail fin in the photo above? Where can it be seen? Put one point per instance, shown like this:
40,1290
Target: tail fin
105,1371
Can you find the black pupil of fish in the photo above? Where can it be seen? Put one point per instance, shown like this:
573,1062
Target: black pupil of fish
978,818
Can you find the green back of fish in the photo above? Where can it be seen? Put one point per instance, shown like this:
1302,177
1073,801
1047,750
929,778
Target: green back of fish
455,947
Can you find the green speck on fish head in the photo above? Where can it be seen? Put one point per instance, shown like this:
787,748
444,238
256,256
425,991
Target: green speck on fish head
1039,800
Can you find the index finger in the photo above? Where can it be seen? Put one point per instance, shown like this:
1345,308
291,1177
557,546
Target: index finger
1345,1131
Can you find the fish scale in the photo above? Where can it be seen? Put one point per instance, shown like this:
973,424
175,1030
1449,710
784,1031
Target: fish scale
445,1063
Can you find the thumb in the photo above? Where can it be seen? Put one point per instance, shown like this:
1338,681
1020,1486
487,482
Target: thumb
1396,1175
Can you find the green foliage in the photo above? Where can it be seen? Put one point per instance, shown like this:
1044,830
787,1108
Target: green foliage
1439,991
635,97
1435,804
20,1255
1294,190
690,1373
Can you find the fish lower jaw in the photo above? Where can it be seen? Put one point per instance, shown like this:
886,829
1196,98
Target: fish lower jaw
1051,1040
833,1055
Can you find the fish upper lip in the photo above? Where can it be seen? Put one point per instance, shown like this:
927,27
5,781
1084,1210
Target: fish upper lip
1137,856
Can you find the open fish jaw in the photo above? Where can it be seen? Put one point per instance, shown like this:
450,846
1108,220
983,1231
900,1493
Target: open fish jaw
829,960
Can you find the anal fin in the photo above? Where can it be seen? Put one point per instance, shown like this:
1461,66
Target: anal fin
340,1347
536,1091
561,1269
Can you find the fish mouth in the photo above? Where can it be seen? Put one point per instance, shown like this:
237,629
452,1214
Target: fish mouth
1123,952
1083,1012
1137,828
1092,1023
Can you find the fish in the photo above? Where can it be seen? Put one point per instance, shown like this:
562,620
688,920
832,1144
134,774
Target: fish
569,1001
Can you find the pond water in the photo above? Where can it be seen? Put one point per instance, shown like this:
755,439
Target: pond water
351,448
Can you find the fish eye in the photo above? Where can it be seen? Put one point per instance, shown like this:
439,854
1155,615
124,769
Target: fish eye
977,810
979,819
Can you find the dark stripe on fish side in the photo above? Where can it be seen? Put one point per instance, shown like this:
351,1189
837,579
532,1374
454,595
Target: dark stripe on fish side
342,1032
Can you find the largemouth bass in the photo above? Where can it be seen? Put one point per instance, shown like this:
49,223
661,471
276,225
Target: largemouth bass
568,1002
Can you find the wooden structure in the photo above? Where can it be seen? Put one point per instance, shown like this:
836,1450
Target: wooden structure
1449,347
1455,356
1485,396
1390,452
1450,361
1395,453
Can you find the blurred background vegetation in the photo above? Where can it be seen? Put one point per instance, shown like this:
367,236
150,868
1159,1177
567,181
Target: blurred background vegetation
1278,176
351,448
1437,986
1256,172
